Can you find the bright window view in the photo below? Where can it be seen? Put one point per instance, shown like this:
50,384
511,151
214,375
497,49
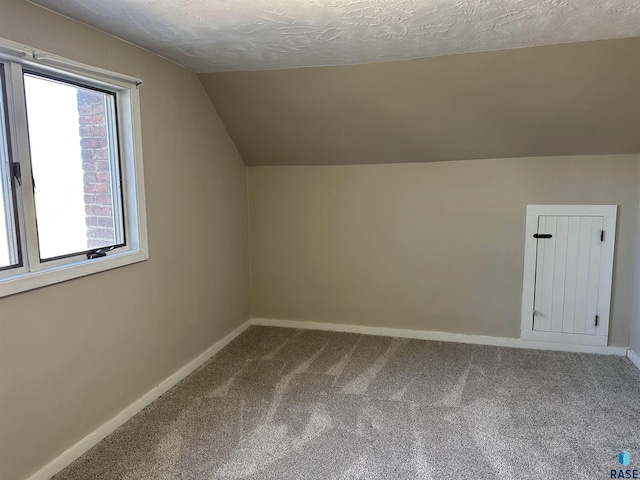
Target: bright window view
74,165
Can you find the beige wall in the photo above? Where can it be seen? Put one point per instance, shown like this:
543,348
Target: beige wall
570,99
73,355
434,246
634,328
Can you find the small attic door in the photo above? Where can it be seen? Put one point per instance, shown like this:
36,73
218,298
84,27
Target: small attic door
568,268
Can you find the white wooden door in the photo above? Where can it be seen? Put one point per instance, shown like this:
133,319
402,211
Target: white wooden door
566,294
568,274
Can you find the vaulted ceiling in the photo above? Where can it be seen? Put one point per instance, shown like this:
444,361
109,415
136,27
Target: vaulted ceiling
230,35
570,99
574,90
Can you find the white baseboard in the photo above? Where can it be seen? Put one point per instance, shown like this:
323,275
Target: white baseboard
68,456
634,357
572,338
442,336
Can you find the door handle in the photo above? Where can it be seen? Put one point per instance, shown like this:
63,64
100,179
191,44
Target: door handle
542,235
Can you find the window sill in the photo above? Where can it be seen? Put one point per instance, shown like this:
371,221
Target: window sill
32,280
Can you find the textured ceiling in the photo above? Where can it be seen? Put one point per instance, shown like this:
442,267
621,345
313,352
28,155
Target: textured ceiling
229,35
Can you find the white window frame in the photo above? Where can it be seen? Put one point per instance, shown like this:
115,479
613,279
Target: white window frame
34,273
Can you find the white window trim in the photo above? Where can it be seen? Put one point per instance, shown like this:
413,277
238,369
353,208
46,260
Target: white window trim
35,274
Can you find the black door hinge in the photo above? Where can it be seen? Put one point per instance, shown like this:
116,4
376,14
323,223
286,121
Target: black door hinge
602,235
597,320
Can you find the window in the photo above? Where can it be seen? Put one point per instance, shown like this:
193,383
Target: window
70,170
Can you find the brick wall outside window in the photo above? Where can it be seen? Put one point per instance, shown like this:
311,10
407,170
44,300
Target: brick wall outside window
94,144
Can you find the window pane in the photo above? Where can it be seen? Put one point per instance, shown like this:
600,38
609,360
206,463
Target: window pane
8,241
74,159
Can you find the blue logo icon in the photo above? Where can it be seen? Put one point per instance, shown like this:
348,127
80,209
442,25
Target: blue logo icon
624,458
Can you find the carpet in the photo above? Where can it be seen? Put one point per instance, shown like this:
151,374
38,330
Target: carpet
298,404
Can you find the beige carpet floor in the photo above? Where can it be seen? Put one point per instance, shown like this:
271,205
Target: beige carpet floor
297,404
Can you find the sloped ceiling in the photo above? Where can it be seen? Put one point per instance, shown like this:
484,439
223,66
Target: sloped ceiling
570,99
230,35
376,106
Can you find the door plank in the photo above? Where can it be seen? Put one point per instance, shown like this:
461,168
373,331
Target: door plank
558,296
582,284
594,276
606,268
539,274
545,303
571,275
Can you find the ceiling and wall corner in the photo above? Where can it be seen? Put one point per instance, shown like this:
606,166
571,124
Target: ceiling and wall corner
230,35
